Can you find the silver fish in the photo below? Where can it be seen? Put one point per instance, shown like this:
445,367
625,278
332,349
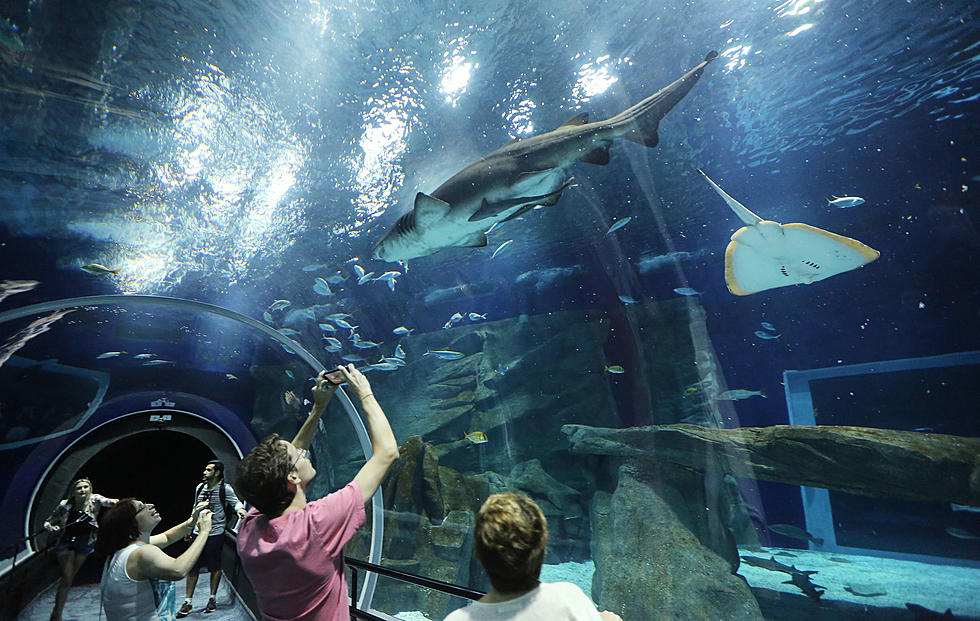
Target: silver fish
445,354
618,224
767,336
739,393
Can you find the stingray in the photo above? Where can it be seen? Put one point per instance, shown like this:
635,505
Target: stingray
766,254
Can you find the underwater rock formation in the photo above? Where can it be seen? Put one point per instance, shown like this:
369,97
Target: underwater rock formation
882,463
650,566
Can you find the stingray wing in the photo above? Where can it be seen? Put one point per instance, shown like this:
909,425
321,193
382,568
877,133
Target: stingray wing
769,255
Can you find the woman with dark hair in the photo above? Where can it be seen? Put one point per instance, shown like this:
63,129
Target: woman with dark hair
75,519
510,537
137,582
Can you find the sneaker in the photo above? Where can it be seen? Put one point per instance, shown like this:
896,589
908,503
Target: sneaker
211,607
185,609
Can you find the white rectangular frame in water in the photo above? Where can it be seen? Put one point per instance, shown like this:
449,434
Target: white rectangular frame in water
817,508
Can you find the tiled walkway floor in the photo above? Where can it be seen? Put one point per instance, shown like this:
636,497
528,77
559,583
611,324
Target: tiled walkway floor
83,604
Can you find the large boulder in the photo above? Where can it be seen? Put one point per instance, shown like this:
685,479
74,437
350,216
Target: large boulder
650,566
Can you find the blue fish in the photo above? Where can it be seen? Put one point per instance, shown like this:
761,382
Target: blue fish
766,335
768,326
320,286
686,291
326,327
619,224
625,299
444,354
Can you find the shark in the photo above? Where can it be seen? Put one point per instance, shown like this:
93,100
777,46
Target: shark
523,174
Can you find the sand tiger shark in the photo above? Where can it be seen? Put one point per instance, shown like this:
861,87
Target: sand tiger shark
525,173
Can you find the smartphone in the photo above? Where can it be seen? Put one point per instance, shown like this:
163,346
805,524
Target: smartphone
336,378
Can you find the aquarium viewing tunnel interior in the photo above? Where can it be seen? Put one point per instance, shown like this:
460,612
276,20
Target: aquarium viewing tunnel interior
698,279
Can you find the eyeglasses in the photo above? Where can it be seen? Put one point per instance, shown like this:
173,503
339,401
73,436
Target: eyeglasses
300,455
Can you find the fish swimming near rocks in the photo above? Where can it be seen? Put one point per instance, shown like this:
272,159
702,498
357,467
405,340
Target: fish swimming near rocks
794,532
525,173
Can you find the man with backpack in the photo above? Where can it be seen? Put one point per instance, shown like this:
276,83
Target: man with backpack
221,498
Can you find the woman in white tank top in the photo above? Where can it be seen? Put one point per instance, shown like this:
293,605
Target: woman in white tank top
137,583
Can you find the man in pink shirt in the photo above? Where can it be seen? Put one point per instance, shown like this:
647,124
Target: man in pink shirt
293,550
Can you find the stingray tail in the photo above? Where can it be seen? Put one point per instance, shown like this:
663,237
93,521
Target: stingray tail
740,210
643,119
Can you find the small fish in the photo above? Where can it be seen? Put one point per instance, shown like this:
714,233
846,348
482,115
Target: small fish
279,305
402,331
686,291
332,341
312,267
960,533
389,275
477,317
766,336
326,327
383,366
337,316
344,324
955,507
144,356
768,326
456,318
358,270
447,325
618,224
289,374
267,316
110,354
365,344
476,437
158,363
365,278
845,202
333,349
288,332
501,247
398,362
321,287
691,390
739,393
614,368
794,532
231,376
352,358
625,299
444,354
335,278
98,269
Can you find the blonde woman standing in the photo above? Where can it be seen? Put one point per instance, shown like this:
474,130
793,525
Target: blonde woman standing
75,520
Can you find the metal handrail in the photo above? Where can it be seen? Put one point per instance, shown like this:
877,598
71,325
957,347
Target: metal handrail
422,581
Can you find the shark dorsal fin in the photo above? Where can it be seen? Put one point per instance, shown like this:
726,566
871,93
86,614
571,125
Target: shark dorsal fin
582,118
429,209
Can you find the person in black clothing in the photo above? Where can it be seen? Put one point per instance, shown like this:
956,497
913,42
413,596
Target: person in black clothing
221,498
75,520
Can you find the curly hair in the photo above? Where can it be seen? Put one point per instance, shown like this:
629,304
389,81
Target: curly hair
118,527
261,477
510,537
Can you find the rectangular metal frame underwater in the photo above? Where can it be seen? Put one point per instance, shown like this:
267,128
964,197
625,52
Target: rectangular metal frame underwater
817,509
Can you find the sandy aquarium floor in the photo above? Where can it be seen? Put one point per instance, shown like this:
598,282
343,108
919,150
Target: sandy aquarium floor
936,587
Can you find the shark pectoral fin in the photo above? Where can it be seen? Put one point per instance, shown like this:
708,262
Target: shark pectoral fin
582,118
429,209
476,240
598,156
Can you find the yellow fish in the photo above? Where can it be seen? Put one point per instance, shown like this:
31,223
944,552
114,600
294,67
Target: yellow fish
476,437
231,376
690,390
98,269
615,369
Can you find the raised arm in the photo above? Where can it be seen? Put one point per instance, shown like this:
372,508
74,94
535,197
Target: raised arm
383,443
184,529
152,562
322,393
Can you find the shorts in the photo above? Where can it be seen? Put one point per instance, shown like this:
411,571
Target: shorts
78,545
211,556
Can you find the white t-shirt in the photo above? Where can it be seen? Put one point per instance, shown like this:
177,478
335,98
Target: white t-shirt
551,601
